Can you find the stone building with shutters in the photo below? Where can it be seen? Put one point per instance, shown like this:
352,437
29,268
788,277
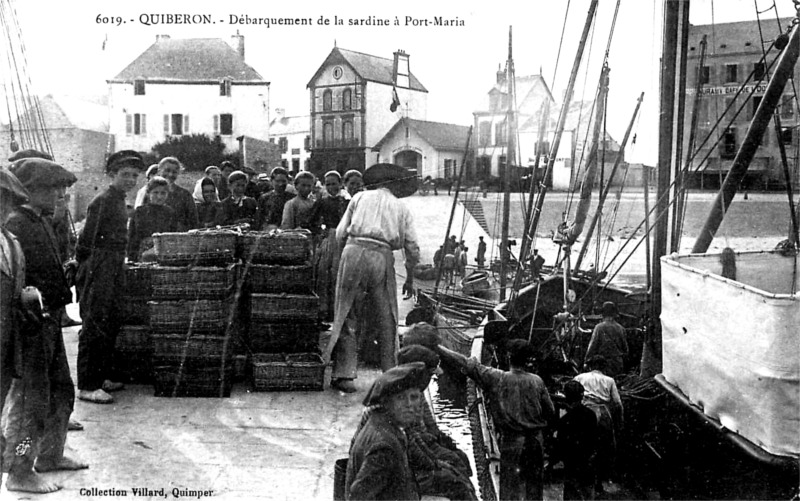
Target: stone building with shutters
293,137
355,99
188,86
733,60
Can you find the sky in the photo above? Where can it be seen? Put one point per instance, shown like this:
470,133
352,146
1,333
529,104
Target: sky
74,47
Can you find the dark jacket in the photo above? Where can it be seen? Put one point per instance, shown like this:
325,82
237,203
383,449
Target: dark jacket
210,214
106,225
182,202
270,208
147,220
243,212
42,260
327,212
378,464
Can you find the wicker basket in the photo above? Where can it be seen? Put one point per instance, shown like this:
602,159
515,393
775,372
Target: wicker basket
284,338
195,247
199,315
194,282
171,381
197,349
138,279
277,372
283,307
134,310
134,339
271,278
275,248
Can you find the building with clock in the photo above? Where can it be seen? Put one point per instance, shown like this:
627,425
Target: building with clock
355,98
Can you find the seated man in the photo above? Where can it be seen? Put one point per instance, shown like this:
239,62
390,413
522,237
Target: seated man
377,467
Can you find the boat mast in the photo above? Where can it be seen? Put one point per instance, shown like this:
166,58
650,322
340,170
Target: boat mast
676,22
511,132
744,156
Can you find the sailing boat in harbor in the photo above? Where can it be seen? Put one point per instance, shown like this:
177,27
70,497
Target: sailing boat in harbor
721,417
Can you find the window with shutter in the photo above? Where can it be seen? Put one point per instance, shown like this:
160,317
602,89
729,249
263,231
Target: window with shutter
166,125
226,124
128,124
216,124
144,123
185,124
138,87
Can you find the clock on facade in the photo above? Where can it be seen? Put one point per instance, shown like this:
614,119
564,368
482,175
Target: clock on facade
337,72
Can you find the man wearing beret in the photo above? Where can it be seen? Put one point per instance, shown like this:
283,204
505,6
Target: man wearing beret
375,224
101,256
377,467
41,400
438,470
521,409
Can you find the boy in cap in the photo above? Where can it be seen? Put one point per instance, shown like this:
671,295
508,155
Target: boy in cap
41,400
141,195
375,224
521,408
101,256
378,464
178,198
270,205
226,168
438,470
576,441
609,341
238,207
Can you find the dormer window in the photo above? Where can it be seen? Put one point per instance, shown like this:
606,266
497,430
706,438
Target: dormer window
138,87
225,87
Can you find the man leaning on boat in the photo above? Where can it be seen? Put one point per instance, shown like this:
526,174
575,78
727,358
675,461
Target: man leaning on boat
521,408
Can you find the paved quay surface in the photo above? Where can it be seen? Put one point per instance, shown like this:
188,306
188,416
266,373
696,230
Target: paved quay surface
278,446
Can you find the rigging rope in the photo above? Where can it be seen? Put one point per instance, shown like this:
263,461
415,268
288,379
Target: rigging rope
560,43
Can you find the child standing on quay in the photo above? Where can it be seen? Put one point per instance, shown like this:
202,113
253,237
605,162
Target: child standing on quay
101,256
153,217
297,211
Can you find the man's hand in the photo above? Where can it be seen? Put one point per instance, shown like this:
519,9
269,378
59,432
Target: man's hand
408,288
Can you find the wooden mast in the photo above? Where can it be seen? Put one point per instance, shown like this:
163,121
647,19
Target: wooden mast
511,132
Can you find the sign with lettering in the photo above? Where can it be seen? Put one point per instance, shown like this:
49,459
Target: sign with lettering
719,91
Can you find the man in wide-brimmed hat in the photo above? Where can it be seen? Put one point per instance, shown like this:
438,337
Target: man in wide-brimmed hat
378,464
374,225
45,391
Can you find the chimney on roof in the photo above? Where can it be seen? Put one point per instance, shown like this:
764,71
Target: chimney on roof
237,42
161,38
501,75
401,71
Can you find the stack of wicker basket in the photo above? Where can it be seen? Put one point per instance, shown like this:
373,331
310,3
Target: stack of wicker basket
134,347
283,311
193,313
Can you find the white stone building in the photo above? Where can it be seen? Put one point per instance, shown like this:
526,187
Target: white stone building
293,137
353,105
188,86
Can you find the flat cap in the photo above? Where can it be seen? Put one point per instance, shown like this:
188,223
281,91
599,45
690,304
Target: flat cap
394,381
124,158
10,186
41,173
29,154
418,353
151,171
249,171
609,309
400,181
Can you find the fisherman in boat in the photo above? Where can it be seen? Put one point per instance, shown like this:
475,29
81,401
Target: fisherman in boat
41,400
521,408
576,443
602,397
438,470
375,224
377,467
608,340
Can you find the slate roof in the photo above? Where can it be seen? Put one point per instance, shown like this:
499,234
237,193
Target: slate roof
193,59
440,136
370,68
